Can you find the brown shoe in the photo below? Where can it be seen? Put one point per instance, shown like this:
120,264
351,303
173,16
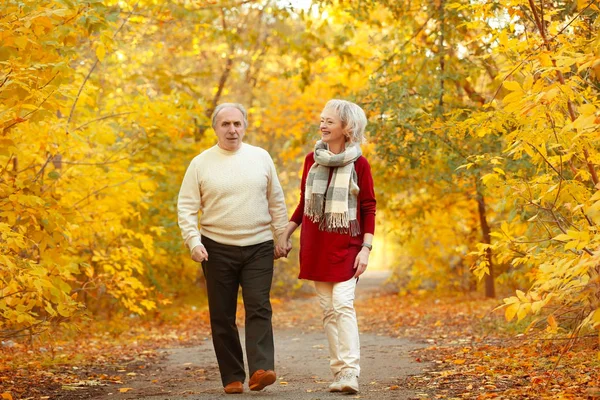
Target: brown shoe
234,387
262,378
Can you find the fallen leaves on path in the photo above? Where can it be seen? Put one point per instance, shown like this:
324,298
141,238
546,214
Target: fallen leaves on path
470,352
99,355
473,353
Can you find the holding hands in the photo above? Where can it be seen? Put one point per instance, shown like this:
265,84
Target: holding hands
283,246
284,243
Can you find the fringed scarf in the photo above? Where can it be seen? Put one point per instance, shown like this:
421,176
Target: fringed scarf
333,207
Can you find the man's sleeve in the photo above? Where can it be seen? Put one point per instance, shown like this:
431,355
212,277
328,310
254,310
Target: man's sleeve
277,207
188,204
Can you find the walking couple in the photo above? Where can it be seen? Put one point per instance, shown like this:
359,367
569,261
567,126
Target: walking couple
244,227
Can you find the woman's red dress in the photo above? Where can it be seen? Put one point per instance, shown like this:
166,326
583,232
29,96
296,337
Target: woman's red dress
329,256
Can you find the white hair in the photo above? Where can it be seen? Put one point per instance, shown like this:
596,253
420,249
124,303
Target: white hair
353,118
230,105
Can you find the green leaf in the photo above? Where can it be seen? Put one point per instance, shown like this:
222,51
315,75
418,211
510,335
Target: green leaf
54,175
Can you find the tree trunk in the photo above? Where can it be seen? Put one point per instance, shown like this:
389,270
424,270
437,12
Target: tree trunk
490,290
201,129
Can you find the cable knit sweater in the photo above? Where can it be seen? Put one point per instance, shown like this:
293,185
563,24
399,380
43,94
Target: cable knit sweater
238,193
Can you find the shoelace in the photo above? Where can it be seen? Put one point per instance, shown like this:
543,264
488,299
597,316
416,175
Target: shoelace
345,375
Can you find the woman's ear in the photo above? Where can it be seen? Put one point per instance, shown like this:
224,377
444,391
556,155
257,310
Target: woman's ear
348,135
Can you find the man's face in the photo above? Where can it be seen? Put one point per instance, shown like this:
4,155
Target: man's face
230,129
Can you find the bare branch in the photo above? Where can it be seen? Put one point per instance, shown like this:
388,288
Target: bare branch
14,293
80,127
6,78
390,58
92,70
95,192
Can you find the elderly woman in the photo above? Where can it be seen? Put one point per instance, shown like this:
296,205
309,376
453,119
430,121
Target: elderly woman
337,214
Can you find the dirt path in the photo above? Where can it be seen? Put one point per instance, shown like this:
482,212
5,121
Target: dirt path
301,362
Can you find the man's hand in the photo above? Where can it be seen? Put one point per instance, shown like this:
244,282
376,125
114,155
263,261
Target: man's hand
361,261
199,253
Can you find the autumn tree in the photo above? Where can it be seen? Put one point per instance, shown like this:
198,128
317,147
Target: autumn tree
496,104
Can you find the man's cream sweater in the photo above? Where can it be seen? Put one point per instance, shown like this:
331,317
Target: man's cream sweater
238,194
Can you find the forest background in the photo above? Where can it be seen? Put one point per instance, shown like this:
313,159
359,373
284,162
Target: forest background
483,138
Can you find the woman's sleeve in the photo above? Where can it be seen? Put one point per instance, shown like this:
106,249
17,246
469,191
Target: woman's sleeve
299,212
368,204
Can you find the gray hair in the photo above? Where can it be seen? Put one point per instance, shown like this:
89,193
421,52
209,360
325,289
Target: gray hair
230,105
353,118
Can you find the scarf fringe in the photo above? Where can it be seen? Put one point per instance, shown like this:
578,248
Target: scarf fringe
354,228
314,207
338,223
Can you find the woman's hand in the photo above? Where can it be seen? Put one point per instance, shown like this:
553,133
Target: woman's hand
361,261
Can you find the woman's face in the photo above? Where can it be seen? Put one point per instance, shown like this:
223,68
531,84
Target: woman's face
331,128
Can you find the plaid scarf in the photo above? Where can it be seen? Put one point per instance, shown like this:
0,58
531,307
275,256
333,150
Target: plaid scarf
334,207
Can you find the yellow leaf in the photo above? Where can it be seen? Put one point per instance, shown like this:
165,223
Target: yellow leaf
63,310
511,311
528,82
571,245
489,179
503,38
513,97
50,310
551,94
21,42
562,237
467,166
585,122
596,318
545,60
581,4
512,86
125,390
100,52
536,306
587,109
523,311
595,196
459,361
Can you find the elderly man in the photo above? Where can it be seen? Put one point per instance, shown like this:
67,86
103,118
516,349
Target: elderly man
235,187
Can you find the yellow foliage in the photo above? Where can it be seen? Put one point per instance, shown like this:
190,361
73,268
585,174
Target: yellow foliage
473,121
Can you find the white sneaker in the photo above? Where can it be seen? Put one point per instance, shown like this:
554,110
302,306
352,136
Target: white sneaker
348,382
335,386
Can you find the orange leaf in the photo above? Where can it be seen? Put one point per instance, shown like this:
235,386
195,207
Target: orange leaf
552,321
125,390
535,380
459,361
7,396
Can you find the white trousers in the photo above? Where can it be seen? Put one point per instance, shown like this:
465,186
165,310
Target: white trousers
340,323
